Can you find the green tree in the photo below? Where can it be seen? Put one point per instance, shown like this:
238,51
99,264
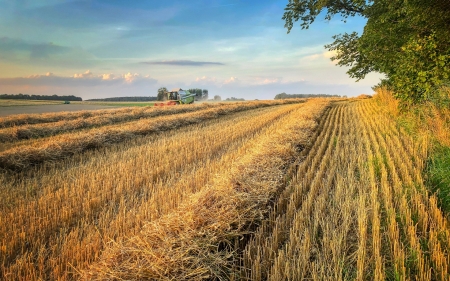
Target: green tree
406,40
281,96
217,98
205,94
161,94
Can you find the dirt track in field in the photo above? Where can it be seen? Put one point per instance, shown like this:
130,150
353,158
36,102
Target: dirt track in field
32,109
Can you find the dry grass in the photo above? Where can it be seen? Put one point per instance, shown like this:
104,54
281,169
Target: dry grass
24,156
119,114
60,216
85,119
197,241
364,96
290,192
357,209
436,118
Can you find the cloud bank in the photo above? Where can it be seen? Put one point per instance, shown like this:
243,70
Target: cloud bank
86,79
86,85
183,63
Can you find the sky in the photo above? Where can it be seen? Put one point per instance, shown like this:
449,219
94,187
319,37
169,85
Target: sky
111,48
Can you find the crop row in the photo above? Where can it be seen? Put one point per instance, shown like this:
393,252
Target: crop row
59,219
59,147
89,119
113,113
357,209
198,239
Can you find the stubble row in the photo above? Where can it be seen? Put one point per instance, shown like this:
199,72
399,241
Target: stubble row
200,239
57,219
357,209
23,155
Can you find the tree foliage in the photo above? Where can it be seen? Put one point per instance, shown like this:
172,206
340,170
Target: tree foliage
126,99
199,93
161,94
283,95
406,40
205,94
217,98
39,97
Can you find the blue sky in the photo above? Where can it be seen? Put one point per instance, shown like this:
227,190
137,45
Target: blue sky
100,48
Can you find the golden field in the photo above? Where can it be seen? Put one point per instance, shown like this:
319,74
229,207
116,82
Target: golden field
322,189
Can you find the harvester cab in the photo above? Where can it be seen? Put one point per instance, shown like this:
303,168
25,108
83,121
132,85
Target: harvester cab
177,96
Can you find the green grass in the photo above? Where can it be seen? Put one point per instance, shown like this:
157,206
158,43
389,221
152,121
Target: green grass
115,103
7,103
438,176
437,171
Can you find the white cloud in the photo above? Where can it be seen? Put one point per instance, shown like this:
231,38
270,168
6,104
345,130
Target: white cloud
323,56
232,80
206,80
129,78
108,76
87,85
252,80
86,79
266,80
87,74
329,54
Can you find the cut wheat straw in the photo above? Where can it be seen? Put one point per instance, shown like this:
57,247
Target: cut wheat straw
66,145
85,119
196,241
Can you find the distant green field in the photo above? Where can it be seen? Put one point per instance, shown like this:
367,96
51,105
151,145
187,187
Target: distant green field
115,103
9,103
28,102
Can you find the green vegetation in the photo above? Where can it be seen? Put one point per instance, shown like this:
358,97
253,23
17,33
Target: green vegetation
126,99
115,103
39,97
438,176
235,99
432,122
200,94
407,41
300,96
161,93
8,103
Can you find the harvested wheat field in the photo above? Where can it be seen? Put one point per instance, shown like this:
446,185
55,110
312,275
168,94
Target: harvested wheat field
317,189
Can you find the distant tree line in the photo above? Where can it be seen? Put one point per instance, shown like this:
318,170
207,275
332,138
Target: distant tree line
39,97
234,99
200,94
126,99
296,96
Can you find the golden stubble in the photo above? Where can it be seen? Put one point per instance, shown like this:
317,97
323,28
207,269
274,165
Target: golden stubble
357,208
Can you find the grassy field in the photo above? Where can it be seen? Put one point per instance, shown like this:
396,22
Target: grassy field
116,103
5,102
317,190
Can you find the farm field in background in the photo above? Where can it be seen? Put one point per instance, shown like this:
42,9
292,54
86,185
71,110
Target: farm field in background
46,107
7,103
317,189
26,107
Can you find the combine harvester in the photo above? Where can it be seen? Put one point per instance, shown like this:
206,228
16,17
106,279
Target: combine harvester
177,96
